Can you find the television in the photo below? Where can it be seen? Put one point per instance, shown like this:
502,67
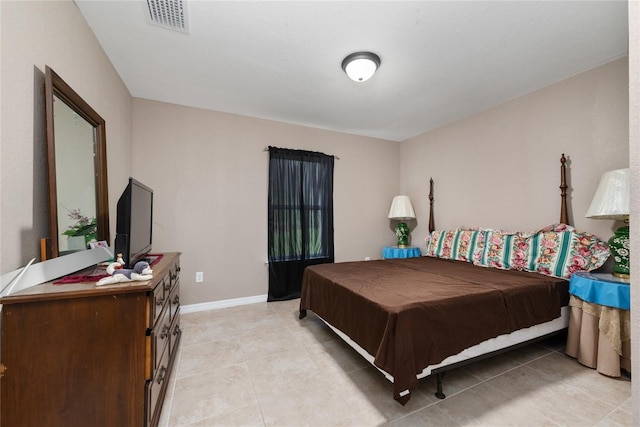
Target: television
134,223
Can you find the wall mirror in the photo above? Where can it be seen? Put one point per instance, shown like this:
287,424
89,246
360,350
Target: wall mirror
77,170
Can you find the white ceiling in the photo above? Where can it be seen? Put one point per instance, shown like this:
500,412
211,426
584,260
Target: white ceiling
281,60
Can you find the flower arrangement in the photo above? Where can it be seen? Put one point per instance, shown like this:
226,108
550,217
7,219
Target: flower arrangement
84,226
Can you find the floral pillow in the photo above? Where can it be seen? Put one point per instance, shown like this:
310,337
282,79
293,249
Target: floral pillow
504,250
459,244
439,243
562,253
466,243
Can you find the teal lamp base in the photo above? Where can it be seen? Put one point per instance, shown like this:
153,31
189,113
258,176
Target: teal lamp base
402,233
619,247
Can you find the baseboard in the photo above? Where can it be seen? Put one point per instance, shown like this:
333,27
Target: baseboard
215,305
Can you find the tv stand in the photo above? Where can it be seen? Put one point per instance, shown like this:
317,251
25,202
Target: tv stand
81,355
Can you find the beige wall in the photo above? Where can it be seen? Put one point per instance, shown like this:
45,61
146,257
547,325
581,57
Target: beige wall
35,34
500,168
209,172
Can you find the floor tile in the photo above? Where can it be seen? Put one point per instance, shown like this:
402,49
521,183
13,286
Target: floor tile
211,394
259,365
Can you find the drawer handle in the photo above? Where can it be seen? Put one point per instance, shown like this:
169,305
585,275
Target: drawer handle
162,375
176,300
167,285
165,332
176,330
160,302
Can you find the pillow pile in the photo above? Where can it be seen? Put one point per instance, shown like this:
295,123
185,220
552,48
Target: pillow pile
557,250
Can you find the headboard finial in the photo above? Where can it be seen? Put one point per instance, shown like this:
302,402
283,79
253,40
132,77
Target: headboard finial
431,220
564,216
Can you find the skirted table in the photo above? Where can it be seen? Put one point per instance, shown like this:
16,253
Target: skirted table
389,252
600,326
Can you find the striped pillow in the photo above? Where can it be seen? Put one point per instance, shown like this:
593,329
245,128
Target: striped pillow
467,242
504,250
459,244
562,253
440,242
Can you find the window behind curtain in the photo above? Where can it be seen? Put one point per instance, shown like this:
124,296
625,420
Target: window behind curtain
300,217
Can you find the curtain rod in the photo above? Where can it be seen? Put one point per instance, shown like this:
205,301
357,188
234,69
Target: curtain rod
335,157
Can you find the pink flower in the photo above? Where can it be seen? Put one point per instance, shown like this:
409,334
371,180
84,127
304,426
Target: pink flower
584,251
520,259
495,240
578,262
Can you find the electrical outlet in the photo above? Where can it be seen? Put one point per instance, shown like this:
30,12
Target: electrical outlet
199,277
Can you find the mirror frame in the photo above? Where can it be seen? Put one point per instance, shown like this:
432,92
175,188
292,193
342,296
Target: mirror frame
54,85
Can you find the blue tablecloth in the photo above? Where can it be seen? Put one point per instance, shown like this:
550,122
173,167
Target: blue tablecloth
601,288
396,252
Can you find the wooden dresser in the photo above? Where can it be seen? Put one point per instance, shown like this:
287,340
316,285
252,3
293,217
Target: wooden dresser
81,355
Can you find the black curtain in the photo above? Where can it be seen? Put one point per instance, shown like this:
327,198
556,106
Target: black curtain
300,217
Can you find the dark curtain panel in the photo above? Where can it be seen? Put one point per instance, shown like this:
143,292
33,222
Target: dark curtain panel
300,217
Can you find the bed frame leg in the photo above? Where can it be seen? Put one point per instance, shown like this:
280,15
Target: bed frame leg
439,377
303,314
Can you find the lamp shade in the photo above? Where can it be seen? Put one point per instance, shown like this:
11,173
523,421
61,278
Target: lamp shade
401,208
611,200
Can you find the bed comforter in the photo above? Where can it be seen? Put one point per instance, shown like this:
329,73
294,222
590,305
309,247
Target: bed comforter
412,313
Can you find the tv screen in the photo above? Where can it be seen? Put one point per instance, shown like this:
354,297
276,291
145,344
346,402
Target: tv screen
134,222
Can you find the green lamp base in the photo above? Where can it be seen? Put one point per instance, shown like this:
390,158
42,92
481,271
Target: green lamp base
619,247
402,233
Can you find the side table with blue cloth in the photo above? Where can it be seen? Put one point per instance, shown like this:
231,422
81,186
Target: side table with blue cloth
600,325
389,252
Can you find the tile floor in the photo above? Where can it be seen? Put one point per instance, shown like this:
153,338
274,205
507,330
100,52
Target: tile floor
258,365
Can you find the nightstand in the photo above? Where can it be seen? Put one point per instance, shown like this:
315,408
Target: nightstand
600,325
389,252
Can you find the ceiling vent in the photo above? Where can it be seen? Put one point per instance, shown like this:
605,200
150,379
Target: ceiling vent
171,14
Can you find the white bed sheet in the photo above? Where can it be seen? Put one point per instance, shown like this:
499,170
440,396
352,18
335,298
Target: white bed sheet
489,346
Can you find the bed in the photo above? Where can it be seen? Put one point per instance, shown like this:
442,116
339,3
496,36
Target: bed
477,292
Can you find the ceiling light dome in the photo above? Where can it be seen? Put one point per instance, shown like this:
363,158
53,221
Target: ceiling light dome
360,66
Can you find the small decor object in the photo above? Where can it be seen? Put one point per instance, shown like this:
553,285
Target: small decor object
85,227
402,210
140,272
611,201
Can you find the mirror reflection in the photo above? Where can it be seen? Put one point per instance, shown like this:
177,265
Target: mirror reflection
75,178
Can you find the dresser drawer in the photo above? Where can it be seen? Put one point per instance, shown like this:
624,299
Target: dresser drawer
155,388
176,334
174,273
160,339
174,300
157,302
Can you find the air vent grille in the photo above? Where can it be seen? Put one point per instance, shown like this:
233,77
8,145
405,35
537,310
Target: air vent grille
170,14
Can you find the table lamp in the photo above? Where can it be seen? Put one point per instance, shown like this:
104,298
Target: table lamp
402,210
611,201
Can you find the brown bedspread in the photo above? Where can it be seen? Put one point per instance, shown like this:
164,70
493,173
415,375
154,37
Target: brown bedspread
412,313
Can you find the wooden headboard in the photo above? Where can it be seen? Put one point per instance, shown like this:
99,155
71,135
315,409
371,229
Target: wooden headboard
564,217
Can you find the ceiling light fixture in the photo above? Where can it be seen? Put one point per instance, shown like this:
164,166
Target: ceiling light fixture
360,66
